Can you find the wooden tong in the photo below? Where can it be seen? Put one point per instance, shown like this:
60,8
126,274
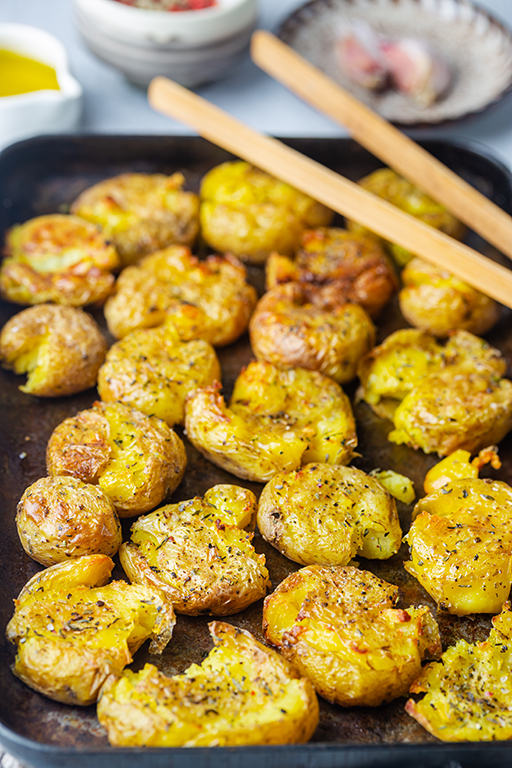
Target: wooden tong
384,140
331,189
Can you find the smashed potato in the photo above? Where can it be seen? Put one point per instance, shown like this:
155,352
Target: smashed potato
137,460
338,627
440,398
437,301
153,370
243,693
457,466
62,517
388,185
72,629
197,554
461,545
327,515
468,690
57,258
141,213
208,299
286,329
277,420
60,348
250,214
336,266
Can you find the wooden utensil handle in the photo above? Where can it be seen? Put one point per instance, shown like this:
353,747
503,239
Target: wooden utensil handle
331,189
384,140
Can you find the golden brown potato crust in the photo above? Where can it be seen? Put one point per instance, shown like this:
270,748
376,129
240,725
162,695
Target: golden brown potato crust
141,213
246,212
196,555
461,545
388,185
336,266
153,370
57,258
61,349
287,330
137,460
326,515
72,630
243,693
338,627
468,690
62,517
208,299
277,420
437,301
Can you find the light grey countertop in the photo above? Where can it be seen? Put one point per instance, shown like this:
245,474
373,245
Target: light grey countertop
113,105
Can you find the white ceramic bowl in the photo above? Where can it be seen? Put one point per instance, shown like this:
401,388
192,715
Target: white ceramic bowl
191,47
29,114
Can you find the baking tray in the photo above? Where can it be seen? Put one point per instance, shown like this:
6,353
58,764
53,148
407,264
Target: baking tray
44,175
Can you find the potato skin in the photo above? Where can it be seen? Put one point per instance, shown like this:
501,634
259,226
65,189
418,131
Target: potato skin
388,185
193,554
461,545
62,517
57,258
208,299
243,693
437,301
326,515
250,214
287,330
137,460
337,266
276,420
468,690
338,627
153,370
141,213
72,630
60,348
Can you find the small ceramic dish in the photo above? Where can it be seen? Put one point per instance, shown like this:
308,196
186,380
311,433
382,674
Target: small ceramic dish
476,46
191,47
36,112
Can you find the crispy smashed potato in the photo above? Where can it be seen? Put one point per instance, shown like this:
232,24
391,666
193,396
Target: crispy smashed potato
327,515
395,189
197,554
250,214
286,329
153,370
137,460
208,299
62,517
338,627
72,629
468,691
277,420
243,693
440,398
338,266
60,348
57,258
461,545
437,301
141,213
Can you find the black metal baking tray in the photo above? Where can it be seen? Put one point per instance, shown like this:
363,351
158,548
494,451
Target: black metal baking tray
44,175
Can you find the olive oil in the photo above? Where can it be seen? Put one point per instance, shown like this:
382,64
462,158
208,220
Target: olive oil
20,74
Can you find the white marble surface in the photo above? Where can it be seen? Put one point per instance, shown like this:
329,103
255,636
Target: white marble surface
112,105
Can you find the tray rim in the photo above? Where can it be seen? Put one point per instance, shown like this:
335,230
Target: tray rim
282,756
